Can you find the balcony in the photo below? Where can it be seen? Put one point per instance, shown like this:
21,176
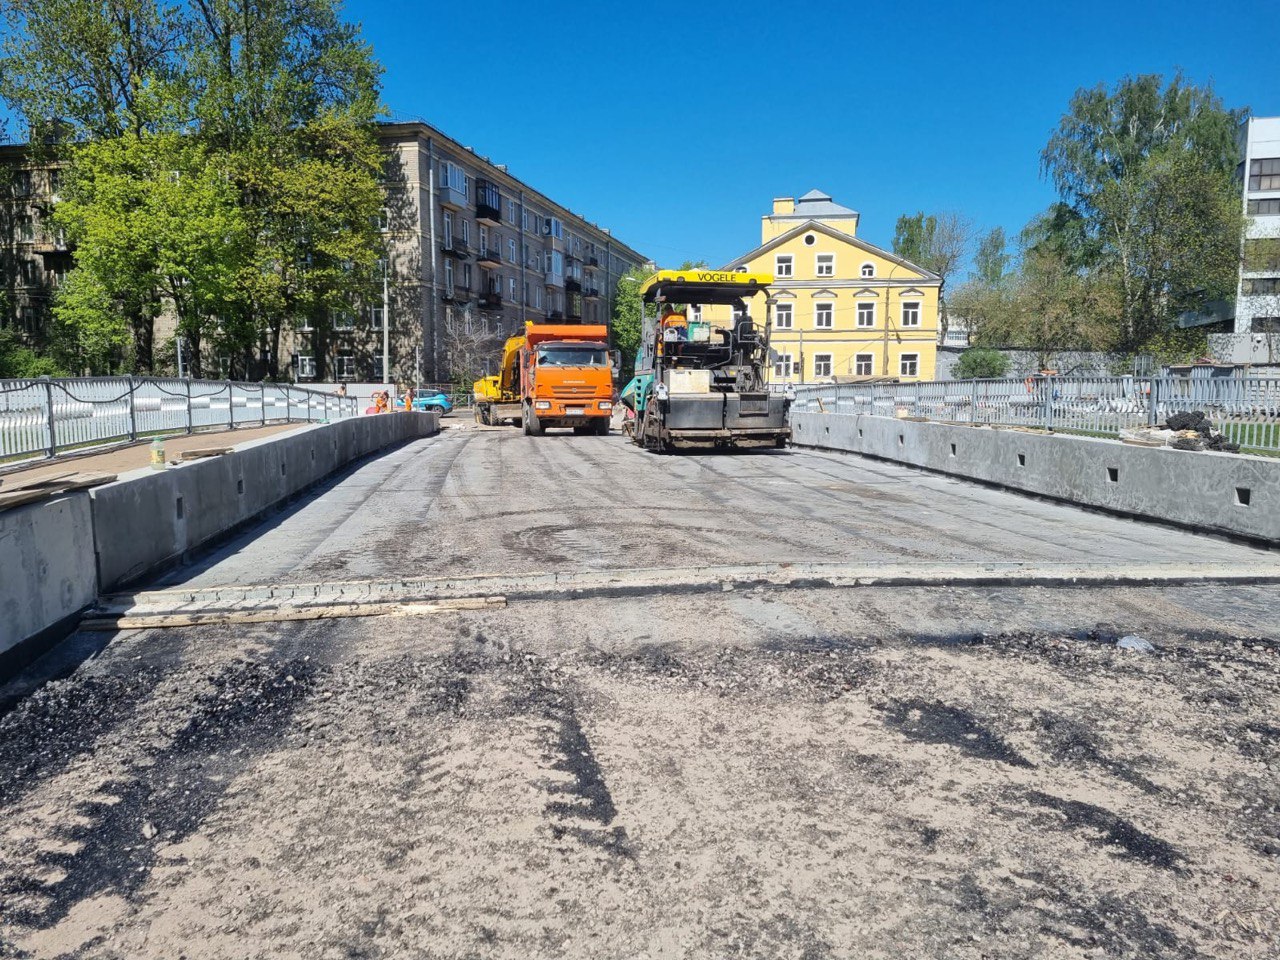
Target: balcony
573,285
451,196
491,301
456,294
590,293
555,315
554,279
489,259
488,203
593,261
456,247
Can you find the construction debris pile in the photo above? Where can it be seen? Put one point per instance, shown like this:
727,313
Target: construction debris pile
1193,431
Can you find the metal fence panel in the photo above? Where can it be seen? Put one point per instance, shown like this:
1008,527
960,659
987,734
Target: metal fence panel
1245,409
47,416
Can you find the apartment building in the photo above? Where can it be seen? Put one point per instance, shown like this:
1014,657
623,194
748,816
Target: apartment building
34,258
474,252
843,309
1256,329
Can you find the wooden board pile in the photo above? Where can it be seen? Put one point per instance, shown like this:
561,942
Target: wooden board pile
14,493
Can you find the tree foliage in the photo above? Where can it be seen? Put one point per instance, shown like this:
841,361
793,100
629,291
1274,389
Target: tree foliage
939,243
222,168
627,319
981,363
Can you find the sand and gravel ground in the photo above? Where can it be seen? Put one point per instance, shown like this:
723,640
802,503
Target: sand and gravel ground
779,773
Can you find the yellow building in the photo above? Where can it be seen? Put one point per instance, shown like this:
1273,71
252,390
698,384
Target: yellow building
843,309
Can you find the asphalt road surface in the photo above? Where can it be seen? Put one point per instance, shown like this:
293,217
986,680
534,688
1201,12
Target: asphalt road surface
768,772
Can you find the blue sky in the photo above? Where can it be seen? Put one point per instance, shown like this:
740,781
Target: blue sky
676,124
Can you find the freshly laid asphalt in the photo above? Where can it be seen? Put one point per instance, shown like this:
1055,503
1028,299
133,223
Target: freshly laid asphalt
767,770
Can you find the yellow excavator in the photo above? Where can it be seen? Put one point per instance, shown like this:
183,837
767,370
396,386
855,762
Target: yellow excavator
497,397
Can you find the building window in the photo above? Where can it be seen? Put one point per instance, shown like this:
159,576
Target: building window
447,232
384,219
824,315
346,369
868,270
552,227
825,265
1262,256
782,265
511,211
1260,286
22,183
822,364
28,272
466,231
909,365
377,369
448,277
911,314
956,337
376,317
782,365
484,239
511,250
26,229
1264,174
1265,208
28,318
343,320
866,314
306,367
1264,325
783,317
466,276
863,364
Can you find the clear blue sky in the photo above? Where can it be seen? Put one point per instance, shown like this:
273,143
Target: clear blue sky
676,124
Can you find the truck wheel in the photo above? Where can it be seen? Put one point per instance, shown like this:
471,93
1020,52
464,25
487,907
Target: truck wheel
582,430
601,427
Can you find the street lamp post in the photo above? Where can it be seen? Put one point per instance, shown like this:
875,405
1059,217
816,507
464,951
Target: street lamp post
386,324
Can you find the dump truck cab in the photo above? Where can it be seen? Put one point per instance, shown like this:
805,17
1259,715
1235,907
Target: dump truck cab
566,378
702,386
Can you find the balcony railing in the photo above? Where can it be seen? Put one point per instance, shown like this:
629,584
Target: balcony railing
555,315
490,301
456,247
593,261
573,285
489,258
591,293
554,279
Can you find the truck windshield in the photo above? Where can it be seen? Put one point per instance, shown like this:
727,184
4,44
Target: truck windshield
573,357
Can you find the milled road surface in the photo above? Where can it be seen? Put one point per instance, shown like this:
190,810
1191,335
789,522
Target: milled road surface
869,772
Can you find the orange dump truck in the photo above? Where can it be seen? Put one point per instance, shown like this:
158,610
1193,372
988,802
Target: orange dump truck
566,378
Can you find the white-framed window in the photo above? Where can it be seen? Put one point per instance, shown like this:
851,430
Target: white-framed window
524,219
384,219
782,365
824,315
824,264
511,250
511,211
557,263
552,227
782,265
346,366
909,365
26,228
484,239
376,316
377,368
447,232
866,314
466,232
784,316
448,277
863,364
868,270
911,313
466,276
224,368
537,297
822,364
306,367
343,320
452,175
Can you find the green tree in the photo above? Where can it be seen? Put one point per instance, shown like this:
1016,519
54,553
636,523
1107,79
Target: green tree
991,260
627,319
981,363
19,361
1145,175
939,243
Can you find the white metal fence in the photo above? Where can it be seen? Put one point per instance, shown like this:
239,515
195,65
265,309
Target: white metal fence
1245,409
46,417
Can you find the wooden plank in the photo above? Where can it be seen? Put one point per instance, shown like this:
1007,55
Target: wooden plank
146,621
204,452
48,481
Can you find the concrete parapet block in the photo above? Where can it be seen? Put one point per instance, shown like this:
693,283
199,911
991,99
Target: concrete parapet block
47,573
1222,493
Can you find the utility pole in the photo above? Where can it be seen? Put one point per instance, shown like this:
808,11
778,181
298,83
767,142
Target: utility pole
178,343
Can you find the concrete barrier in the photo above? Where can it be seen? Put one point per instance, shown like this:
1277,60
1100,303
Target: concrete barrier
47,573
1216,492
56,556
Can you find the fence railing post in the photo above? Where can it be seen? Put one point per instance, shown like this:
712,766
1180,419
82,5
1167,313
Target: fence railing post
190,413
133,411
51,421
262,402
973,401
1047,385
1153,416
231,405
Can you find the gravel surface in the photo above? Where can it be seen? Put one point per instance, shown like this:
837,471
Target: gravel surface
871,772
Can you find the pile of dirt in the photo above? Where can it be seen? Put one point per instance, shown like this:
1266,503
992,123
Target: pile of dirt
1193,431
